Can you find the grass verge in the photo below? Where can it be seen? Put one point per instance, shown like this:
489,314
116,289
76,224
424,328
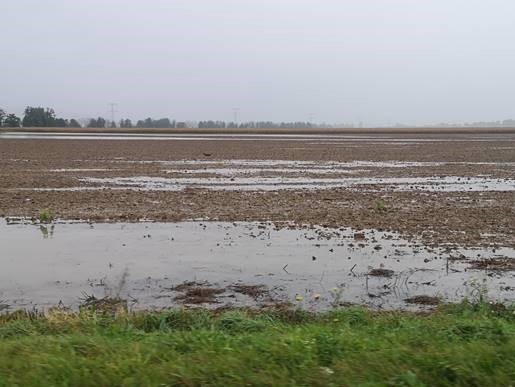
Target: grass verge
457,345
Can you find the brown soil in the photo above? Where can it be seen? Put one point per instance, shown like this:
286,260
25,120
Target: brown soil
423,300
465,218
495,264
197,293
381,273
253,291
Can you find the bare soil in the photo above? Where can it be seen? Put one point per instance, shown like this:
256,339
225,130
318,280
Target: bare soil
380,272
494,264
466,218
423,300
192,292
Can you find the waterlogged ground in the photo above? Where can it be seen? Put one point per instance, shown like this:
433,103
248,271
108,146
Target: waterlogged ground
275,175
437,209
257,264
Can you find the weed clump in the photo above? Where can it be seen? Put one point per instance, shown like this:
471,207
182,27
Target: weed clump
46,216
380,206
104,305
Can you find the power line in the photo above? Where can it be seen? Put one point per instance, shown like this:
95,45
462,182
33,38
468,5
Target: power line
236,111
112,109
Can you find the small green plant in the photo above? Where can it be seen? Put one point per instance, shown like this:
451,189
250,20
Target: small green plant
380,206
46,216
478,291
336,295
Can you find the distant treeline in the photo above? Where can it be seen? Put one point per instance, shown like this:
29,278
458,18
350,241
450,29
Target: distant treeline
256,124
36,117
166,123
46,117
9,120
491,124
151,123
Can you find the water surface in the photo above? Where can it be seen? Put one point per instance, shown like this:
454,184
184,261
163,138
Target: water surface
316,268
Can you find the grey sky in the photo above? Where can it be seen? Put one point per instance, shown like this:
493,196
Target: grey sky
379,61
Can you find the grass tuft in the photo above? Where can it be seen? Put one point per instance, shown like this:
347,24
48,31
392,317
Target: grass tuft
380,206
46,216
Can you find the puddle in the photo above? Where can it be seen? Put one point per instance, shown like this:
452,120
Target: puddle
319,165
273,175
64,170
258,175
445,184
229,172
252,137
300,163
178,137
156,265
262,183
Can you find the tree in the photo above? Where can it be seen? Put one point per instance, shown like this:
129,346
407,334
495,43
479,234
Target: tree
101,122
60,123
2,116
45,117
11,121
151,123
98,123
113,124
125,123
39,117
162,123
74,123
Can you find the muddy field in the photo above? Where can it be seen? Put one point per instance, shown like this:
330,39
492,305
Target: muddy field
446,191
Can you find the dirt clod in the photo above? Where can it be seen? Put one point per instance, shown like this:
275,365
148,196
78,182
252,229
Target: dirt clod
423,300
381,272
494,264
197,293
254,291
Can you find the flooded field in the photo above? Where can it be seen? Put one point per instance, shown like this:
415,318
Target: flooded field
159,265
312,220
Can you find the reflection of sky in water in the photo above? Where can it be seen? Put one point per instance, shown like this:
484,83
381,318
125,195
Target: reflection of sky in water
323,138
272,175
258,183
43,264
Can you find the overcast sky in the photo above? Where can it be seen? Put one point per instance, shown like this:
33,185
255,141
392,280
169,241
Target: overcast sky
376,61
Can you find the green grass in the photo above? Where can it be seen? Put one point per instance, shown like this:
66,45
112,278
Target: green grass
380,206
45,216
460,345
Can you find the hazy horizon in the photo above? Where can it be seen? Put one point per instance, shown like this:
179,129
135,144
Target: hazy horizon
379,62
